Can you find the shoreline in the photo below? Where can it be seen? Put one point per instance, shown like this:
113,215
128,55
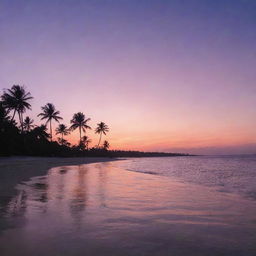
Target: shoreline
64,211
14,170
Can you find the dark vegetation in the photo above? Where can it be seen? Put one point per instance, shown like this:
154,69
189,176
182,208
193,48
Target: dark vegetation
24,138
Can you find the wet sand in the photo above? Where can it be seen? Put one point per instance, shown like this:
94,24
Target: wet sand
14,170
101,209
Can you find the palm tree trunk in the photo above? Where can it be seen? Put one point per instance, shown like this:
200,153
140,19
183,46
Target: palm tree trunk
21,121
51,128
13,115
99,139
19,115
80,135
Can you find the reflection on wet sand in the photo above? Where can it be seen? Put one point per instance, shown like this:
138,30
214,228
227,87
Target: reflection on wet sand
100,209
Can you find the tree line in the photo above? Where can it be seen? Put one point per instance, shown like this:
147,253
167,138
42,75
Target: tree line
24,135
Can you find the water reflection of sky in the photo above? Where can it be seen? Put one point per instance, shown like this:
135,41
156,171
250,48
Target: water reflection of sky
99,209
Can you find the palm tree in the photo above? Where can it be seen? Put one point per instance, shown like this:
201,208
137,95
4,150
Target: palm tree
40,132
4,118
101,128
63,130
79,121
16,99
64,142
49,113
85,141
3,113
28,124
106,145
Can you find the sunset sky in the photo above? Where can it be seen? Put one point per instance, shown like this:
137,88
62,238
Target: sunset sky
164,75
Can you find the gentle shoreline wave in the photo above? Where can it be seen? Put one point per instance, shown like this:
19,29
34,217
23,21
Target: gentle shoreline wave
231,174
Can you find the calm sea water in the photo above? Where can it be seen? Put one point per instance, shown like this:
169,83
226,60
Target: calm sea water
185,206
234,174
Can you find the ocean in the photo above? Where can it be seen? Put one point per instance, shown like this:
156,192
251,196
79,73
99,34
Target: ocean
233,174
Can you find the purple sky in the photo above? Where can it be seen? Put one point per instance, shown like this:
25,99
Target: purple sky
164,75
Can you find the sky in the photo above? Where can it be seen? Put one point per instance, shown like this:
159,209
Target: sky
174,76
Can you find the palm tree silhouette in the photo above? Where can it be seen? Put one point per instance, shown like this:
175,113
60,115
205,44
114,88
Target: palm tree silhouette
101,128
79,121
106,145
63,142
85,141
16,99
63,130
40,132
49,113
3,113
28,123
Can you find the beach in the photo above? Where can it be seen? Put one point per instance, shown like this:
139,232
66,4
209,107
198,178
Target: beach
104,209
14,170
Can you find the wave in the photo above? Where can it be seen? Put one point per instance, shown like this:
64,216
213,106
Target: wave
228,174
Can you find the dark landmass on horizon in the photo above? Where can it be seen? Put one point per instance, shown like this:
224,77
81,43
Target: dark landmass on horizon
66,153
